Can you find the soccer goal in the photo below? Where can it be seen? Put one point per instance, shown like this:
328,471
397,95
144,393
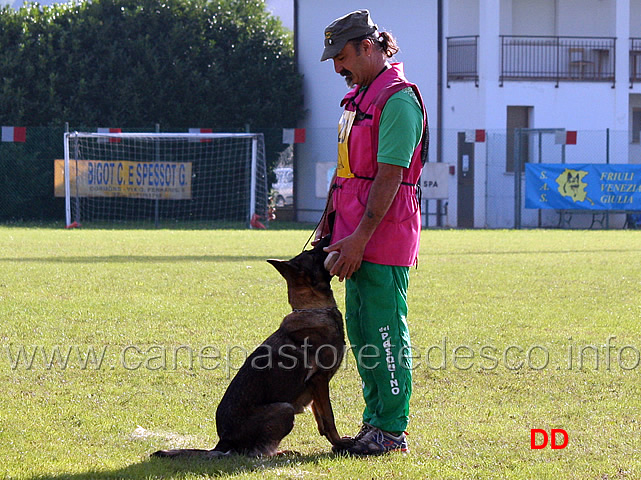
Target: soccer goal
160,178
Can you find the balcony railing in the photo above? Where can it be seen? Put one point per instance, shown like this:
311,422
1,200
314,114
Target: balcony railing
557,58
462,59
635,61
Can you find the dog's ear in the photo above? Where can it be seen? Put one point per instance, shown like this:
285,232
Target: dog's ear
324,242
284,267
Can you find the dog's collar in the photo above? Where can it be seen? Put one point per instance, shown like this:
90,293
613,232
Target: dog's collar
320,309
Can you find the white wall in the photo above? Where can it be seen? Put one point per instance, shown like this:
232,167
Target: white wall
413,24
463,18
534,17
592,18
635,18
559,17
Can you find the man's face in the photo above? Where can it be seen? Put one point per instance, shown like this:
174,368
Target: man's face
350,64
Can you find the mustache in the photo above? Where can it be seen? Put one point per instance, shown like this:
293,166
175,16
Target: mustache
347,75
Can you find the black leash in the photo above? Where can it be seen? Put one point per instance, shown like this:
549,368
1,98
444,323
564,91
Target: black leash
323,216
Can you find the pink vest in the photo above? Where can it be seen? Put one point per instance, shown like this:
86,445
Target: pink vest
396,239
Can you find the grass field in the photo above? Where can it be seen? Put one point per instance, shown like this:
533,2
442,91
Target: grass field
116,343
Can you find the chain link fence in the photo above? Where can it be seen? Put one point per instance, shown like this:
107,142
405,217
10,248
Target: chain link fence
486,180
506,154
26,176
27,168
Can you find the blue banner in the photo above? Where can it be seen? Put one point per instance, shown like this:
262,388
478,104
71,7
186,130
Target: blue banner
583,186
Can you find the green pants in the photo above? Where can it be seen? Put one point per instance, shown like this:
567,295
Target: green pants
375,316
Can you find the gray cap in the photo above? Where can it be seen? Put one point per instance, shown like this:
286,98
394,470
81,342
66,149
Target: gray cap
343,29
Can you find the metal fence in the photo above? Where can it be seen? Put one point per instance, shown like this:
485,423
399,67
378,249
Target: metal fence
635,61
504,199
485,183
27,175
27,168
462,58
557,58
485,179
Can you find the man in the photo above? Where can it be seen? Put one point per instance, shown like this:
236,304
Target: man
376,219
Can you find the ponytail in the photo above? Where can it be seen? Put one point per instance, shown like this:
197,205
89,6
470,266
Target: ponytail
384,42
387,44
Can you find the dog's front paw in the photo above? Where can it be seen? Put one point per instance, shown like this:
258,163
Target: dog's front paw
342,444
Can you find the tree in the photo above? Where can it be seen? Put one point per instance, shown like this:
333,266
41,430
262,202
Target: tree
221,64
180,63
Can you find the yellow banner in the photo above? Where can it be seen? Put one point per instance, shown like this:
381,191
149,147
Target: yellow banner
151,180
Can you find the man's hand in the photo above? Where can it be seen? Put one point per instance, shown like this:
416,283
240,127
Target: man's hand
351,250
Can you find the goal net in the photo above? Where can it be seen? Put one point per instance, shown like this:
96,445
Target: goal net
162,178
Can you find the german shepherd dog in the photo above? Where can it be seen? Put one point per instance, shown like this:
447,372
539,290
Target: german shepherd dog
290,370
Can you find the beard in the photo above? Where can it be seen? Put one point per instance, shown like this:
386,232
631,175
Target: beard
348,77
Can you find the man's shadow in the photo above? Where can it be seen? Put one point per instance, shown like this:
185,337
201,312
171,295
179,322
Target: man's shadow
218,467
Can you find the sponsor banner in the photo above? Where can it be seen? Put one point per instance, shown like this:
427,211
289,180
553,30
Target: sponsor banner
151,180
434,180
583,186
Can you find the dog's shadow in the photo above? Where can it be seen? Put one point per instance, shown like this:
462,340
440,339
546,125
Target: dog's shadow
218,467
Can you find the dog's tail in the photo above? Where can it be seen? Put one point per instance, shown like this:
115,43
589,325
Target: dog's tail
190,453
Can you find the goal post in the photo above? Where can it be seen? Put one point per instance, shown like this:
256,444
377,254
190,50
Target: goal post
211,178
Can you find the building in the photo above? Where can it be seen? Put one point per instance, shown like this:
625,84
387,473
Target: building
544,67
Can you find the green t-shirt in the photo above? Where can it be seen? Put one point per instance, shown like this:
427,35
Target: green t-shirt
400,129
